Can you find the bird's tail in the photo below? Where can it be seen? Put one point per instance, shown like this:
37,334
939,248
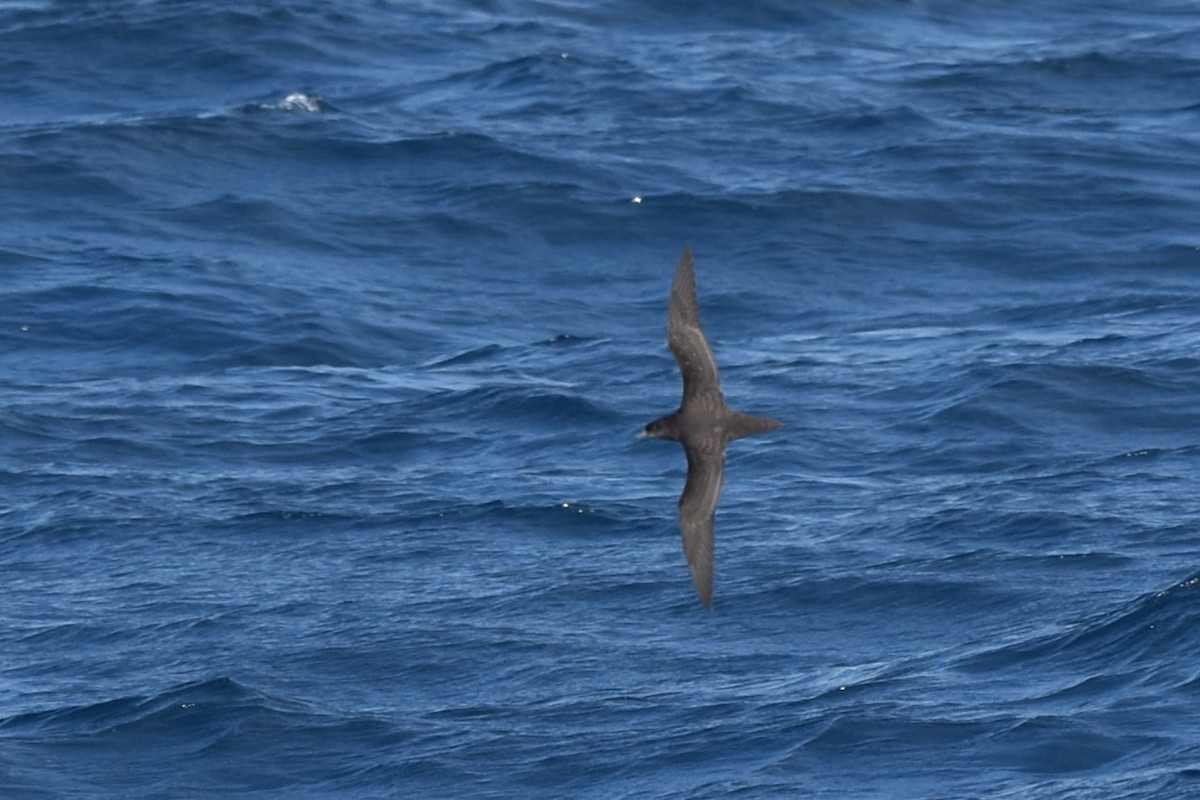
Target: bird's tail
741,425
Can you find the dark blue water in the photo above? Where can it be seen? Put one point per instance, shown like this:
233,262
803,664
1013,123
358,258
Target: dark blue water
325,330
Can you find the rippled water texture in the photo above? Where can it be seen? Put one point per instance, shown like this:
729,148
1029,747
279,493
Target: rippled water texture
325,331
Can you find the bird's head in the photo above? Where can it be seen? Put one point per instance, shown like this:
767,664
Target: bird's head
659,429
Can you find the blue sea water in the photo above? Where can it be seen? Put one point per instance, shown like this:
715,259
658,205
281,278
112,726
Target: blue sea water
325,330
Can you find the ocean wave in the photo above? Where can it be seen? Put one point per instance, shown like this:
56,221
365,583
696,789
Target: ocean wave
184,709
326,331
1134,640
195,724
510,404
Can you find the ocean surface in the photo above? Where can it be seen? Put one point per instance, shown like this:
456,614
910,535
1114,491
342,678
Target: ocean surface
326,328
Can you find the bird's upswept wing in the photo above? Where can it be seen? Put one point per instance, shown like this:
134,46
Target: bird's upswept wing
685,336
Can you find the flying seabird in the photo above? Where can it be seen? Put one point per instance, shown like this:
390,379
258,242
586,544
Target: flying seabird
703,425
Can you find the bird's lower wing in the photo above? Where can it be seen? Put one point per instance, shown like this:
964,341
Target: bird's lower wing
697,509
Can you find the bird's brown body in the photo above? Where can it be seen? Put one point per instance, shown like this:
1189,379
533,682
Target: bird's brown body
703,425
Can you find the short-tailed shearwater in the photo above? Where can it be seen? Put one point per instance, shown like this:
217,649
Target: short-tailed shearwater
703,425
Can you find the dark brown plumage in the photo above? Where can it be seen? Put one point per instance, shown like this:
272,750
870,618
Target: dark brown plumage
703,425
